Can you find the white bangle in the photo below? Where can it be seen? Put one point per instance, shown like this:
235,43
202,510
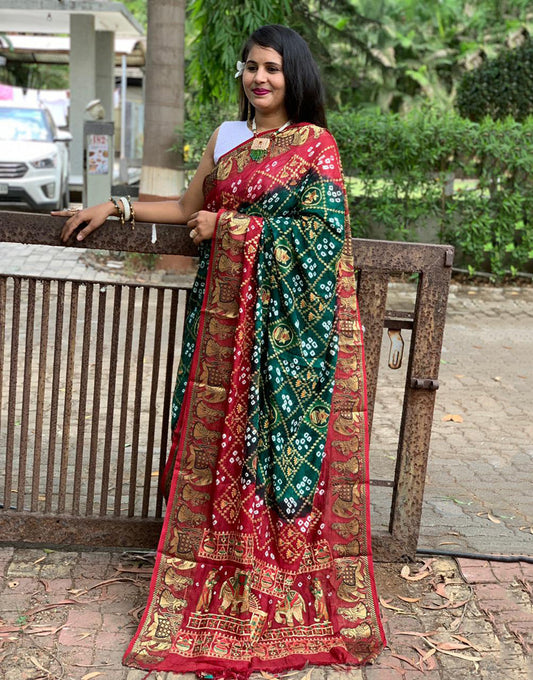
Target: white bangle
126,208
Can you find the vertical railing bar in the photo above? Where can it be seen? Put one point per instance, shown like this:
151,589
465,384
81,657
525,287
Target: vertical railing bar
110,409
82,409
41,382
50,472
372,291
67,405
167,397
95,424
137,402
121,449
26,393
419,404
12,394
3,300
152,409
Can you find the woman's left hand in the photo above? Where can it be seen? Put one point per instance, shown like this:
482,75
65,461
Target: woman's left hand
202,225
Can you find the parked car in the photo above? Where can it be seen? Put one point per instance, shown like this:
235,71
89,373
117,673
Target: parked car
34,158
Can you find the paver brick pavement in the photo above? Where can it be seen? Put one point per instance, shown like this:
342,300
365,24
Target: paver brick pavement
444,618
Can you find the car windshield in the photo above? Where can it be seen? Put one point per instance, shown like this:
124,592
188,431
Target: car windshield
26,125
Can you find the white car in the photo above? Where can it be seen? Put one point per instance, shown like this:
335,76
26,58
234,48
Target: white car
34,158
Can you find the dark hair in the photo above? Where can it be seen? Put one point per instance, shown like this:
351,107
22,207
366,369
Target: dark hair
304,92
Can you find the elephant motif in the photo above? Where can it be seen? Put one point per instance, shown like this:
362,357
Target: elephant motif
291,607
235,592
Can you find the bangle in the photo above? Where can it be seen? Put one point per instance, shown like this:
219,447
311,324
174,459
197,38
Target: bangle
132,213
126,208
120,212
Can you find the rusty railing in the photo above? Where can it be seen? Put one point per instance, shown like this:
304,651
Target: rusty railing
87,370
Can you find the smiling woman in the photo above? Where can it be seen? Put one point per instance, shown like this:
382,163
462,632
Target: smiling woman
264,562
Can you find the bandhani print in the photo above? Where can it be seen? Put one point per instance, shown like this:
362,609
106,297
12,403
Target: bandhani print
264,561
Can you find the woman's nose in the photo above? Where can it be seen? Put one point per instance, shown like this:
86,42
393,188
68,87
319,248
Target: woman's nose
260,75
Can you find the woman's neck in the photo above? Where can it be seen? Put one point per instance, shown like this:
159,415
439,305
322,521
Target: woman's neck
272,121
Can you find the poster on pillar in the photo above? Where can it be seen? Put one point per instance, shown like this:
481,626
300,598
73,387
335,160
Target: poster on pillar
98,154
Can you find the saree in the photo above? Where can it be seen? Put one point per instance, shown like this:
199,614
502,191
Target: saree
264,561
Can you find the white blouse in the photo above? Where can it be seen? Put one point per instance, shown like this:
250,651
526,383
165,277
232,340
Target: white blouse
230,134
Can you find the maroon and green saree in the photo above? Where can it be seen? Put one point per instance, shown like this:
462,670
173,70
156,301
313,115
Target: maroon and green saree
264,561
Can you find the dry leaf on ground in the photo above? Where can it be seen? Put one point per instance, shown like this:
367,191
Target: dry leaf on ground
387,605
407,660
406,573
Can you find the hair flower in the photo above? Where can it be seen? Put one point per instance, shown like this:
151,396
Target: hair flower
240,69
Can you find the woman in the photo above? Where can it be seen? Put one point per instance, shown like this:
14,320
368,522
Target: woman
264,560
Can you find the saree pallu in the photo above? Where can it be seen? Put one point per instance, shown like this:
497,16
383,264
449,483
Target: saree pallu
264,561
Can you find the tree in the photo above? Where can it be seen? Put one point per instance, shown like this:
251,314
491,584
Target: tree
162,169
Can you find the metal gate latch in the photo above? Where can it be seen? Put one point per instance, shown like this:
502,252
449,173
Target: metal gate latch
424,384
396,347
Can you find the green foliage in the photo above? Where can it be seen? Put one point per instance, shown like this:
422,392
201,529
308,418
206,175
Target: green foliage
471,181
426,45
139,10
500,87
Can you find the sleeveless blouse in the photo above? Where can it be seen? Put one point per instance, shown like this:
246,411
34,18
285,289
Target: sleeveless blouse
231,133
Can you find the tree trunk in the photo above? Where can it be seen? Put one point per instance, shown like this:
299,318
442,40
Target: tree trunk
162,170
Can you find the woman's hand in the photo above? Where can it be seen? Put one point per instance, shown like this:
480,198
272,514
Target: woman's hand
94,217
202,225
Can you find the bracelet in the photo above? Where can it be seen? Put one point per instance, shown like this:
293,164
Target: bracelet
132,213
120,212
126,208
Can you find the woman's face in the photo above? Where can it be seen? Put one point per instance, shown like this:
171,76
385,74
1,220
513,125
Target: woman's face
264,82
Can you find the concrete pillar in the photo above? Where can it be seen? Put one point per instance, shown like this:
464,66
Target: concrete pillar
105,65
82,85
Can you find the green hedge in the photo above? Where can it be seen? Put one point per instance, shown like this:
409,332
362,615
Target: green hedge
465,183
471,182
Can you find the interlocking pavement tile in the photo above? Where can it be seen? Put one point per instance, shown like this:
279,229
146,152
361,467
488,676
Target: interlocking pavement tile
476,571
506,572
77,637
488,592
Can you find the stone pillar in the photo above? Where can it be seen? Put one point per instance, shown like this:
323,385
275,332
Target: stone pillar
105,67
82,85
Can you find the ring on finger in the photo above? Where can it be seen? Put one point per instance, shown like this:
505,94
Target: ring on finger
193,234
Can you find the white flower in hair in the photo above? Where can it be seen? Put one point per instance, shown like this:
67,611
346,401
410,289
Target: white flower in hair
240,69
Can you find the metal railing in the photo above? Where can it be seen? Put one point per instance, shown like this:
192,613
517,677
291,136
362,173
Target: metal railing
87,371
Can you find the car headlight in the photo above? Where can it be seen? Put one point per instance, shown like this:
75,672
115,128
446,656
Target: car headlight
44,163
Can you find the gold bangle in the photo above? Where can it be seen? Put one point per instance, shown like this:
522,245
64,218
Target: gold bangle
120,212
132,213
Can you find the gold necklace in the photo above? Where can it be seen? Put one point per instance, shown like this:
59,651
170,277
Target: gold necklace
261,145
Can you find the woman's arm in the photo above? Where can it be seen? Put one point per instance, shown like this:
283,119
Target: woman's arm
167,212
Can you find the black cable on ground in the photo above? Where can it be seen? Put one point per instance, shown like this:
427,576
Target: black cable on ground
476,556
